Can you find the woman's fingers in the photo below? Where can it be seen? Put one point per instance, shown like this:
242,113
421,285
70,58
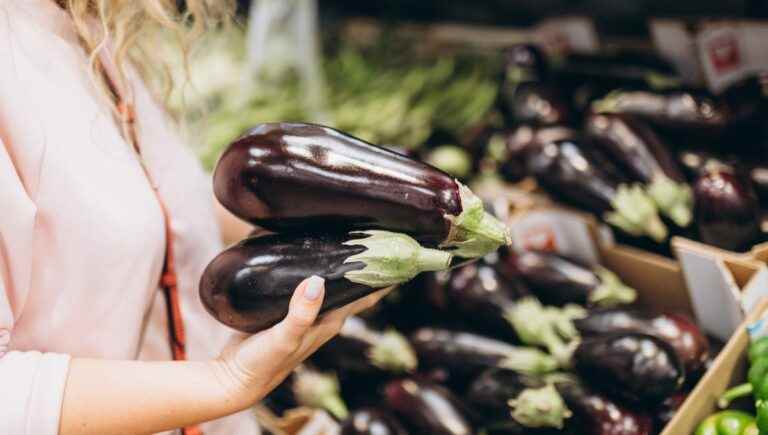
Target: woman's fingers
302,312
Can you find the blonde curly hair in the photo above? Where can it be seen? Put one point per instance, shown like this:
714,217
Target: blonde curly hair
128,25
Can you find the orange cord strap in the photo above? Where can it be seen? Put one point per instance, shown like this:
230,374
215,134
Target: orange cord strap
168,279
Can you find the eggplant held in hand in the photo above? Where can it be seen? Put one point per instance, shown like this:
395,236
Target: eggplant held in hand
308,178
558,280
429,407
573,171
249,285
638,368
680,332
727,210
372,421
467,352
641,152
358,349
530,401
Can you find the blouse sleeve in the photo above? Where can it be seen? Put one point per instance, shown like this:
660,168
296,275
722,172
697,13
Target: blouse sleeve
32,383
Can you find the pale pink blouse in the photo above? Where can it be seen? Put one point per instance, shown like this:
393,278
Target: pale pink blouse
81,232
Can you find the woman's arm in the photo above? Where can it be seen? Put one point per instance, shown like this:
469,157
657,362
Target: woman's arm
118,397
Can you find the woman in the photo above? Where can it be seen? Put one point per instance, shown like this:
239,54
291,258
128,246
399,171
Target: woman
90,173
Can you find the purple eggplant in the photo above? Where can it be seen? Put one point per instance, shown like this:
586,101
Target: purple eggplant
575,172
372,421
669,408
679,331
696,162
596,414
758,174
679,110
478,293
638,368
467,352
308,178
525,97
727,211
530,401
429,407
511,149
558,280
646,159
359,349
249,285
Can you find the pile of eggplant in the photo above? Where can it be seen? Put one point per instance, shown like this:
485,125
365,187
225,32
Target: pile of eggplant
615,134
360,216
515,343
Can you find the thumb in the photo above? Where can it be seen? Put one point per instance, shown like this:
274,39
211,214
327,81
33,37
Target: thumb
303,310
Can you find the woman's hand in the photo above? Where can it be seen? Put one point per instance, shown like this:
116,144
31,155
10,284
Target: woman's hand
249,369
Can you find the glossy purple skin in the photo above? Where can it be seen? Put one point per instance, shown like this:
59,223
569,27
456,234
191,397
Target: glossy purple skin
479,293
759,176
596,414
372,421
490,392
638,368
249,285
556,280
520,141
678,110
457,351
429,407
633,144
726,211
349,353
669,408
574,172
679,331
302,177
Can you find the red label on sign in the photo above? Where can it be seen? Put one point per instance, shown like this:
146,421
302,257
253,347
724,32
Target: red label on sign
539,238
724,53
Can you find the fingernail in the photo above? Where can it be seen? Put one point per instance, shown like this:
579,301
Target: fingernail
313,288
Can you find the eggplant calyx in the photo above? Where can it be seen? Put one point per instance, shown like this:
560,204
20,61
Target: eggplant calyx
529,360
392,258
635,212
562,319
611,291
474,232
392,352
536,326
734,393
319,390
540,407
673,199
452,159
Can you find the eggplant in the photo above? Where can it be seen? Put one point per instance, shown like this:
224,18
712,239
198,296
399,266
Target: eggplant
429,407
643,155
576,173
638,368
312,179
478,293
359,349
727,211
558,280
249,285
758,174
525,96
309,387
596,414
514,147
669,408
696,162
467,352
689,342
530,401
684,111
372,421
